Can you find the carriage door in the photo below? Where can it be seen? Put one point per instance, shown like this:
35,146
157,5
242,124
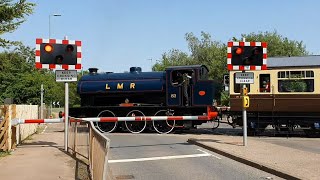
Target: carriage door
265,100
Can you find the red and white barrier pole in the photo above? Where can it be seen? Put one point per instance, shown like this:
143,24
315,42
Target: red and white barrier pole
17,121
143,118
117,119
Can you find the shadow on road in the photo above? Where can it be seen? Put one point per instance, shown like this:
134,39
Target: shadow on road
146,145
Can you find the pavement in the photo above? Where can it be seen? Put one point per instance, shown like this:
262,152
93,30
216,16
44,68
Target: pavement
42,157
281,160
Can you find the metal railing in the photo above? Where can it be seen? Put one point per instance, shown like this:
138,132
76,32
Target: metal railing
86,143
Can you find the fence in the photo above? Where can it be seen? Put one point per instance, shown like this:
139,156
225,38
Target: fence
88,144
5,128
11,136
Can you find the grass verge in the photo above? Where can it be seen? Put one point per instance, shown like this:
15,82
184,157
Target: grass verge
4,153
40,128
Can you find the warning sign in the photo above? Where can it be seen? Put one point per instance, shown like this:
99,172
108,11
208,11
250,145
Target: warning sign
66,75
244,78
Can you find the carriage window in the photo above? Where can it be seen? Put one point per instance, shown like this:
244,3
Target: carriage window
309,74
264,82
298,85
296,81
237,87
295,74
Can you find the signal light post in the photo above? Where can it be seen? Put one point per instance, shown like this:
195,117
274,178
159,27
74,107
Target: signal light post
60,54
244,56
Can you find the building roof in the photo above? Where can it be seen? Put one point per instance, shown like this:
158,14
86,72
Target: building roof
185,67
296,61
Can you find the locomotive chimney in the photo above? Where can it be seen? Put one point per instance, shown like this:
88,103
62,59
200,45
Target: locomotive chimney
135,70
93,71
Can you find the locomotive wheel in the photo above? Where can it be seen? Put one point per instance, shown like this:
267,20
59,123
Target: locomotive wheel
163,127
106,127
134,126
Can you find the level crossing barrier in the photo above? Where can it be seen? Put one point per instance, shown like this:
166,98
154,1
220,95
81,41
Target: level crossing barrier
114,119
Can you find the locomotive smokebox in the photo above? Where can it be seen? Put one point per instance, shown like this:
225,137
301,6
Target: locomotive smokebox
93,70
135,70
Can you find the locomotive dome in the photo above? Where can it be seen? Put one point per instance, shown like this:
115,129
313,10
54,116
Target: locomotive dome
135,69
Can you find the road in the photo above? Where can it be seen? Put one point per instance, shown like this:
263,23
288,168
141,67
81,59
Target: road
158,157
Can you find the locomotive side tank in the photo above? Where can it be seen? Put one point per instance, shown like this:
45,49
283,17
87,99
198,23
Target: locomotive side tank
101,89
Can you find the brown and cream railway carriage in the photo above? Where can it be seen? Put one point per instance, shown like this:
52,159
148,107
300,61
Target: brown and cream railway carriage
287,95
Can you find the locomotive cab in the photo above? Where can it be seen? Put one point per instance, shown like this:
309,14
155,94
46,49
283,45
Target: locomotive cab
188,86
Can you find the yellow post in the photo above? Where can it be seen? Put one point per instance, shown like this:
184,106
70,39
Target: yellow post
246,101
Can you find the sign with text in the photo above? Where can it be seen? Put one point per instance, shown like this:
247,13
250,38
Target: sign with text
244,78
66,75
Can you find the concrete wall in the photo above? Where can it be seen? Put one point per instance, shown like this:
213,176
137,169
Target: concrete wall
25,130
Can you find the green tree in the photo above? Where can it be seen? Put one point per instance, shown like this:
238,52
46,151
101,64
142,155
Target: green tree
174,57
22,82
11,16
203,51
277,44
208,52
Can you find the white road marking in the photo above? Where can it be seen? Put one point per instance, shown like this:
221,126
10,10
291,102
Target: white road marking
44,129
164,157
209,153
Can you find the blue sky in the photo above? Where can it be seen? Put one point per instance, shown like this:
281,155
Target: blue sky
118,34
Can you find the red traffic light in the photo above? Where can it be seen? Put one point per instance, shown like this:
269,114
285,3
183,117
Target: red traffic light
238,51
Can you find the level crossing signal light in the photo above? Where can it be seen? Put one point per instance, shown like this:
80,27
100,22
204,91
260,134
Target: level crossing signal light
52,52
226,79
58,54
247,56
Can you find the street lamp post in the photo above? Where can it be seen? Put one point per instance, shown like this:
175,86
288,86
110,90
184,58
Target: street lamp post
50,22
41,99
150,62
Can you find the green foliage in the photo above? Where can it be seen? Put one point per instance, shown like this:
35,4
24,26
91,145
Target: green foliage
277,44
4,153
203,51
11,16
295,85
208,52
21,81
173,58
225,98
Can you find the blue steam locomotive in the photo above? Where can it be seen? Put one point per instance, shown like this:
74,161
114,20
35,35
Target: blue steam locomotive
179,91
